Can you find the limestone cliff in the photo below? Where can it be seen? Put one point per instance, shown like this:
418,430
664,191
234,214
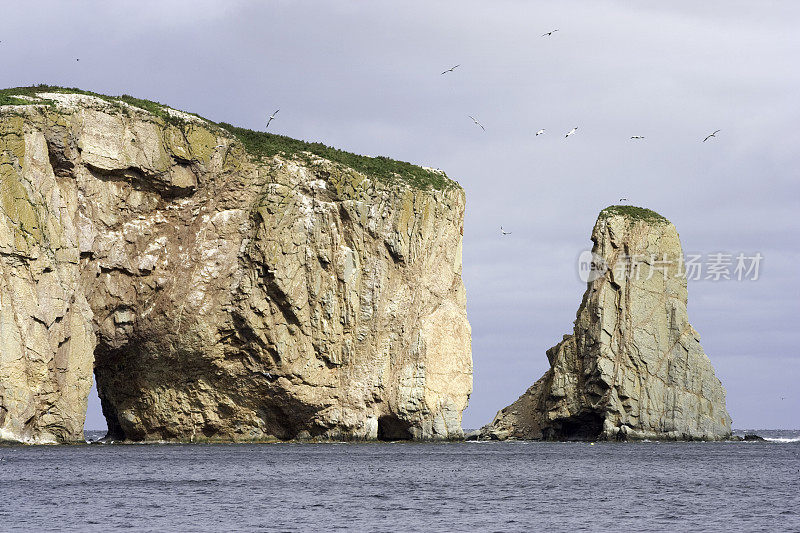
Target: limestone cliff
633,367
217,290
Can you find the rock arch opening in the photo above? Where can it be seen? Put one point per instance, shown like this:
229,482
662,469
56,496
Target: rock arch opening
94,426
392,428
584,426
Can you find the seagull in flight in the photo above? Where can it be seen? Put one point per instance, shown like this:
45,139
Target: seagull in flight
623,199
637,137
475,120
571,132
548,34
272,117
712,135
451,69
540,132
504,232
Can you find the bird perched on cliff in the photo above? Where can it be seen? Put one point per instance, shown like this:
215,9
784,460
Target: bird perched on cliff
637,137
548,34
451,69
504,232
271,118
571,132
475,120
711,135
540,132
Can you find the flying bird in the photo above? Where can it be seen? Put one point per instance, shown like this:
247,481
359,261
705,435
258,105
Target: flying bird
451,69
623,199
271,118
504,232
548,34
712,135
540,132
571,132
637,137
475,120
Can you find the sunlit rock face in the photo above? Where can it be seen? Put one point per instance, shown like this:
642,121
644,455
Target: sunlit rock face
633,368
217,296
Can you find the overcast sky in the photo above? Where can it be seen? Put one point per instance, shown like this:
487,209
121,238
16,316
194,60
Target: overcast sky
364,76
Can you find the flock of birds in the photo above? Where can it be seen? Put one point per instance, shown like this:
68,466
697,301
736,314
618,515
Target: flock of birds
571,132
540,132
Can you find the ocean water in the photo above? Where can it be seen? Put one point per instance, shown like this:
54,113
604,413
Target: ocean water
483,486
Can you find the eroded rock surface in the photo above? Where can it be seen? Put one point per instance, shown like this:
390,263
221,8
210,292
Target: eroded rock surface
633,366
216,296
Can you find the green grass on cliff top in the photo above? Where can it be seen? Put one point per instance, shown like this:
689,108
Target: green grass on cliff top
10,97
263,144
260,144
633,212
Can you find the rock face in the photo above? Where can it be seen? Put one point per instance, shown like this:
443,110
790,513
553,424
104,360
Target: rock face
633,367
214,295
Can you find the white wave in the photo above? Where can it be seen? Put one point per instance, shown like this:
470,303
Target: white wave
782,439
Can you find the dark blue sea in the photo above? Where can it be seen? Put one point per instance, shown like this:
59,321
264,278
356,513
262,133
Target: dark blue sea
467,486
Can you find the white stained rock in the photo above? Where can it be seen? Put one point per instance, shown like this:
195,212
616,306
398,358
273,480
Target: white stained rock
218,298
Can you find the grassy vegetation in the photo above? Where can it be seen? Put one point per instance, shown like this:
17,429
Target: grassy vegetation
264,145
12,100
633,212
8,96
259,144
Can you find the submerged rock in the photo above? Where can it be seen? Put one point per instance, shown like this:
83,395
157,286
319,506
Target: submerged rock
218,293
633,368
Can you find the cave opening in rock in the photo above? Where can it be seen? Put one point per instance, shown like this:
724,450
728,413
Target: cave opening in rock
584,426
94,426
107,409
392,428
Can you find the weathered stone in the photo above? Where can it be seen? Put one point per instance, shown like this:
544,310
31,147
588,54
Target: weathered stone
214,296
633,367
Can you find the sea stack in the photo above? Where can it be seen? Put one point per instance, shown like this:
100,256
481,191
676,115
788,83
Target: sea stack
221,284
633,368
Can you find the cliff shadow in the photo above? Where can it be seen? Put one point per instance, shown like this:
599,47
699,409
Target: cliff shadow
582,427
392,428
